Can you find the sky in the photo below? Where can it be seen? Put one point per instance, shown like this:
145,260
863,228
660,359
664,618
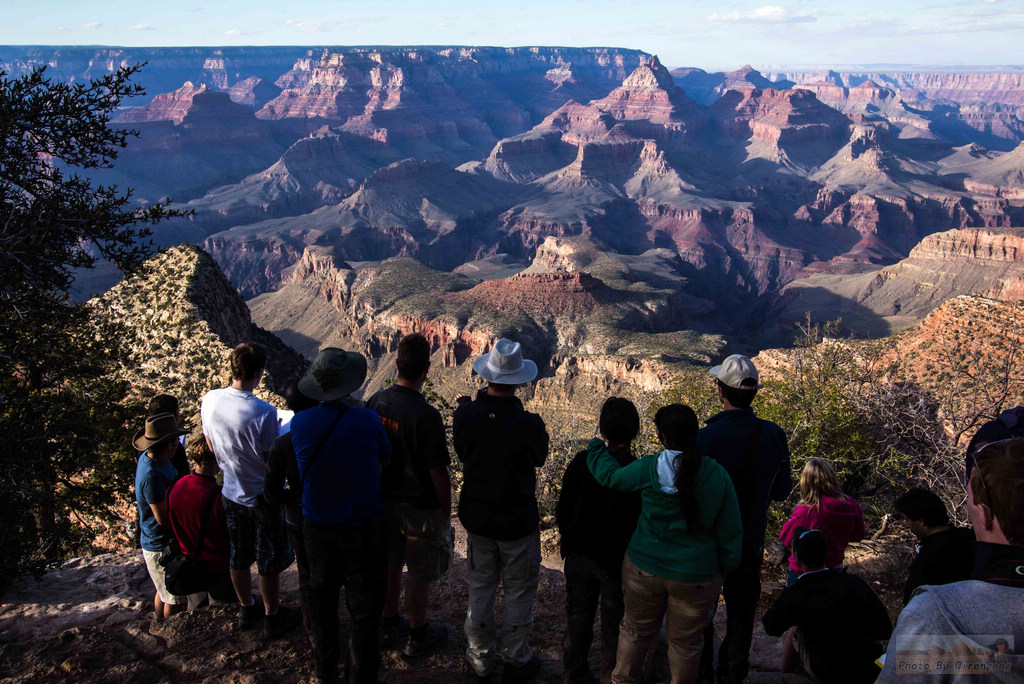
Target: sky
701,33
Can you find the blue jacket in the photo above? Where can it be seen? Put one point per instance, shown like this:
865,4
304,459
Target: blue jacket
727,438
341,483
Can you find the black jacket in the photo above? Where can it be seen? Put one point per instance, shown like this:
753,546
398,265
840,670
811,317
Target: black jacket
841,621
596,521
728,438
500,445
942,558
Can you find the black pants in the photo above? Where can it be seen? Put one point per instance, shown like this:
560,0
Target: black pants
742,590
353,557
587,586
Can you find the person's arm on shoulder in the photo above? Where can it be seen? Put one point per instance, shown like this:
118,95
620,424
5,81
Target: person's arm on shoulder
782,485
606,470
728,526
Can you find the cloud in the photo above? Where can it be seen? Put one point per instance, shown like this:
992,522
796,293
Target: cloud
234,32
769,14
312,26
93,25
141,27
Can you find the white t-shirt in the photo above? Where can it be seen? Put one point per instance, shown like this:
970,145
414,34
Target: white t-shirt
240,428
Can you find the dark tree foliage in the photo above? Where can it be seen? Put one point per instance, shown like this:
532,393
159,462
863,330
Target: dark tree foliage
63,423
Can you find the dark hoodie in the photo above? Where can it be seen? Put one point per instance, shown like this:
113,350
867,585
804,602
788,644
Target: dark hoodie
840,519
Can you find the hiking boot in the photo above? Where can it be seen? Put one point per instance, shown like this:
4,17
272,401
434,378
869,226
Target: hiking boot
436,636
522,673
249,616
274,626
392,630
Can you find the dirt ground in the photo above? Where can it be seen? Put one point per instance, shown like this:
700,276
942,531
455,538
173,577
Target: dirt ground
90,621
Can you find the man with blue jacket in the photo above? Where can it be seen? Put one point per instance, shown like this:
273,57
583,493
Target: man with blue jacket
340,450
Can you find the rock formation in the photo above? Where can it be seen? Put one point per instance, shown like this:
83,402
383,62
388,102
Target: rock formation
179,318
983,262
571,322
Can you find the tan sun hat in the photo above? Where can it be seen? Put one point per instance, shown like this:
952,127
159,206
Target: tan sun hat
158,429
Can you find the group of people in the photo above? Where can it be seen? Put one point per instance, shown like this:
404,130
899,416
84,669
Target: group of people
356,494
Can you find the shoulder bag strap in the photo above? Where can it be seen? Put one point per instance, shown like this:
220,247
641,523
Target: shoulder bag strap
320,446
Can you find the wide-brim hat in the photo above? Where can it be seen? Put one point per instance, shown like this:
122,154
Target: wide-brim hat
505,364
158,429
737,371
334,373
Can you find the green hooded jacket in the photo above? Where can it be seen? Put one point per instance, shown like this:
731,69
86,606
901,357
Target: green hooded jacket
662,544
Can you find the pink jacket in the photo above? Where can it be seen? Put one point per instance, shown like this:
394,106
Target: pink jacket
841,520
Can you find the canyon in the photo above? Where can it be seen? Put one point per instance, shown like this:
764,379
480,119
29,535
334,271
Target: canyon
617,217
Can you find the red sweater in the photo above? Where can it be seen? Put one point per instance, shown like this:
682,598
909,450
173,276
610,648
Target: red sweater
840,519
185,504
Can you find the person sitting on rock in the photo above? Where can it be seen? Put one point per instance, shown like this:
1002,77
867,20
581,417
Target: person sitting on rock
823,506
970,613
595,525
194,501
157,440
830,621
944,552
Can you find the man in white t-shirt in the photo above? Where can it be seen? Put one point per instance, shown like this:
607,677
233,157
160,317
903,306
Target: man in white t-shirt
240,429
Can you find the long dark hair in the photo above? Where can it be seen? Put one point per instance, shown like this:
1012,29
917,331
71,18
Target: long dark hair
677,427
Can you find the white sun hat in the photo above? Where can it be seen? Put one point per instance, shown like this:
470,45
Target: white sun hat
505,364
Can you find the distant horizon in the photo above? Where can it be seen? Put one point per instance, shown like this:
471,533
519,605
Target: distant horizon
772,67
980,33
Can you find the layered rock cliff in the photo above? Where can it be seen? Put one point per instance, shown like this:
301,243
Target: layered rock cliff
571,323
983,262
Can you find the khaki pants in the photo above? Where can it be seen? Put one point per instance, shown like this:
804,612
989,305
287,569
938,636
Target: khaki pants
517,564
689,607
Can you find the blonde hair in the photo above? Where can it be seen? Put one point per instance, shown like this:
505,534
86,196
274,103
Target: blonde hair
817,481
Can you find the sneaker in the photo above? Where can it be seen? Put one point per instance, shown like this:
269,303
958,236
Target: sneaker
436,636
391,631
274,626
249,616
522,673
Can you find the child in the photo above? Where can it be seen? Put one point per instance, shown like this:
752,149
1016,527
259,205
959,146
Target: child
823,506
832,621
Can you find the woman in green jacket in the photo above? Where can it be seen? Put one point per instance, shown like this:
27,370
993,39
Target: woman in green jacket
688,537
